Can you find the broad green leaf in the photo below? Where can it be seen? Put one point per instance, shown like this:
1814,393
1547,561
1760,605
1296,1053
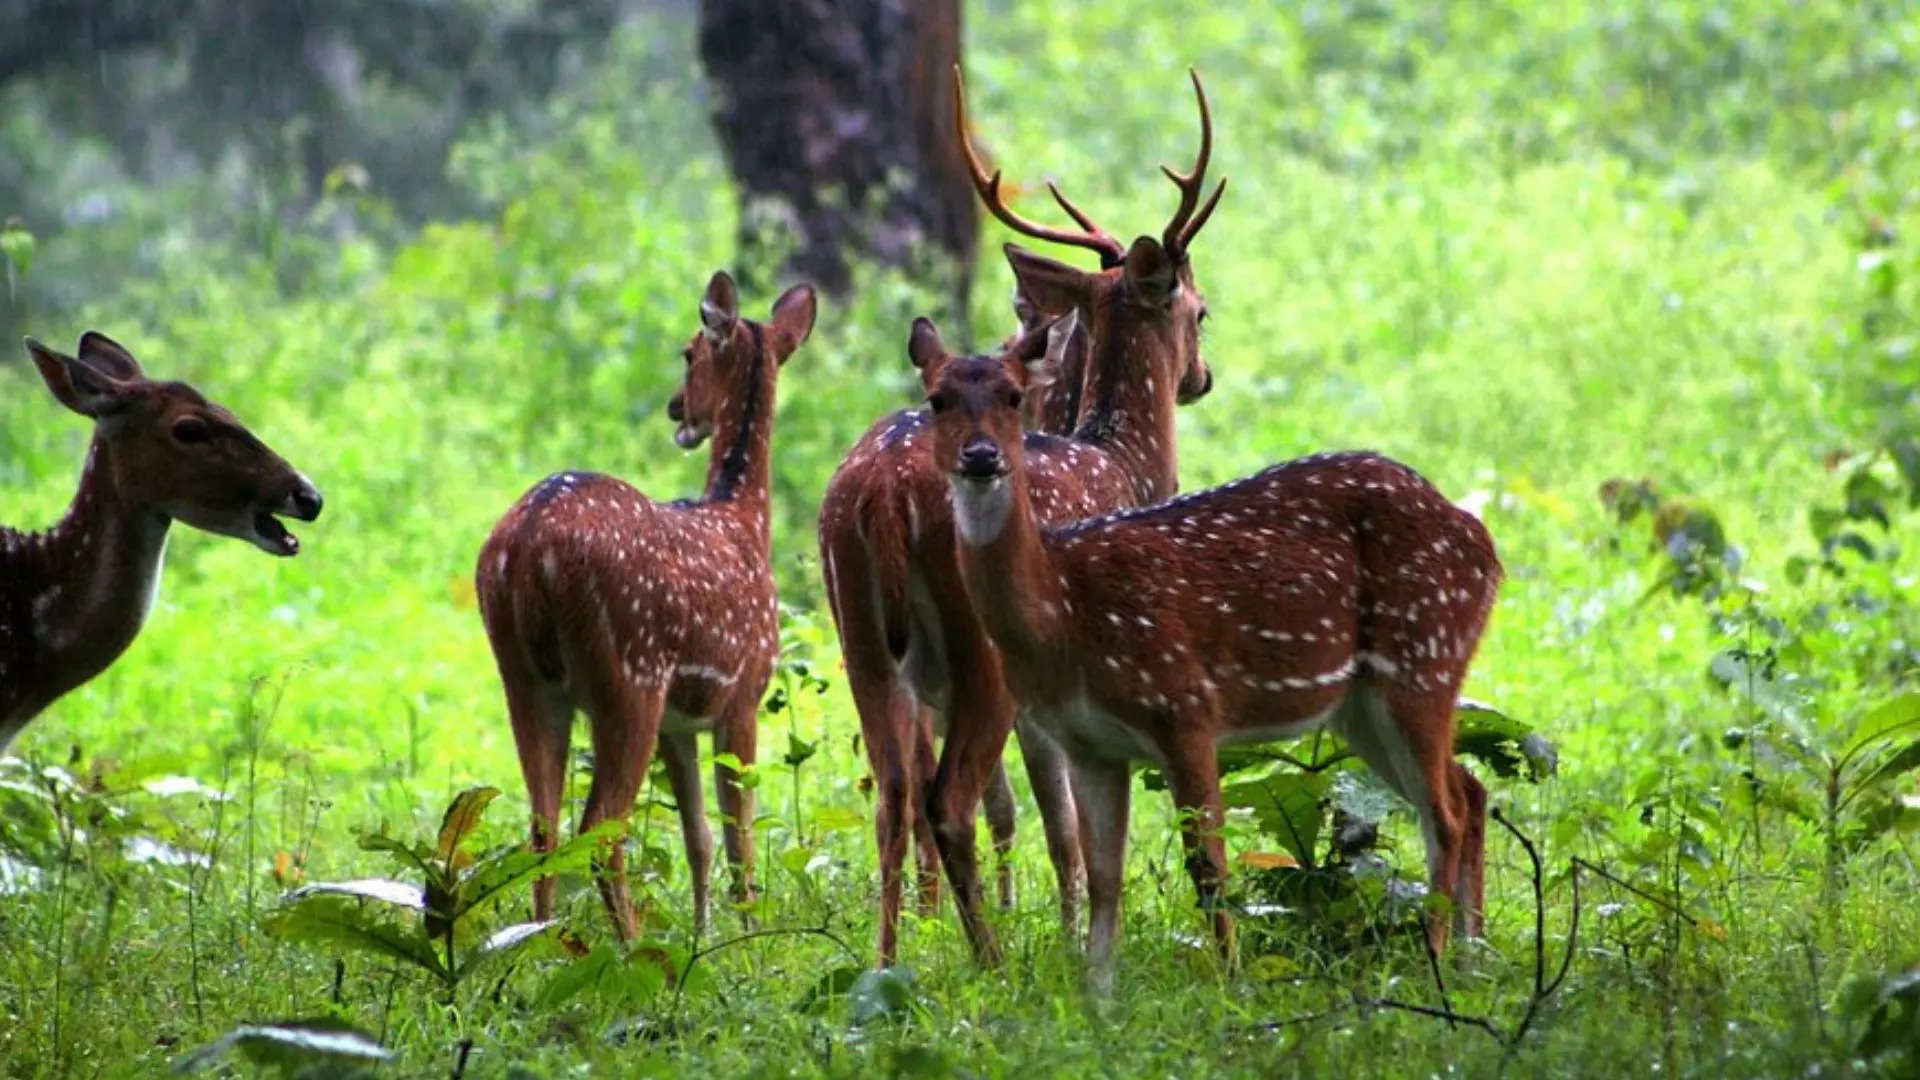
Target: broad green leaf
462,818
504,941
1503,744
1889,718
518,869
584,973
290,1044
386,890
337,920
798,750
835,982
881,995
415,856
1286,804
1898,764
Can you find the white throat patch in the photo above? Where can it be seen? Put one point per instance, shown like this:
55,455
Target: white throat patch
980,510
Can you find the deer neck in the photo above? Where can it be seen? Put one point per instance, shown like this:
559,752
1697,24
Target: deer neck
740,468
1128,410
89,581
1007,569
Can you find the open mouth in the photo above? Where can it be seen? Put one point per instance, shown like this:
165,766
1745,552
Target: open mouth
273,537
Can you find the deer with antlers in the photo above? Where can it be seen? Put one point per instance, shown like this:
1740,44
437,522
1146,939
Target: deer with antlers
917,660
658,620
1340,590
74,597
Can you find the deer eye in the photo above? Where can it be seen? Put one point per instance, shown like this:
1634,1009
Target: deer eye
192,431
937,401
1014,397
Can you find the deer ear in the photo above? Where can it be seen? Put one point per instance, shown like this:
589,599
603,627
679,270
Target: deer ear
1063,338
102,353
924,345
793,316
1150,269
1045,286
75,384
719,308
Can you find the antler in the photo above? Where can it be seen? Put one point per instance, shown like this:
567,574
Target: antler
1093,238
1180,231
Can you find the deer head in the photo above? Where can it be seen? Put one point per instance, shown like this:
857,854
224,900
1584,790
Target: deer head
976,400
1144,293
722,344
169,450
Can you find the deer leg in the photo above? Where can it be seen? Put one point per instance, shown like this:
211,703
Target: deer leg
1000,815
896,787
926,848
1407,740
541,716
736,733
1047,774
1193,774
1102,792
977,729
1469,913
683,776
626,724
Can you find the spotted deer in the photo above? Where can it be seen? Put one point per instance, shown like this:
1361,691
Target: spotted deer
917,661
658,620
1340,590
73,598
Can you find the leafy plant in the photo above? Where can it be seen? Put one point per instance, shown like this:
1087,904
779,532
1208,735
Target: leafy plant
434,927
1846,784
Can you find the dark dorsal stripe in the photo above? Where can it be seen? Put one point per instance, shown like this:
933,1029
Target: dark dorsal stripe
733,467
1115,370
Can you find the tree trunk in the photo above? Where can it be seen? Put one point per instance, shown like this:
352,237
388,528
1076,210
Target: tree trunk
836,119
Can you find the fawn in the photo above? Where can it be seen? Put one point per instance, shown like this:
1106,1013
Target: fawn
1340,590
74,597
658,620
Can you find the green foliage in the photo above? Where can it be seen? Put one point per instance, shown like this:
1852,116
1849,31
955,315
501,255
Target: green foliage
295,1048
456,883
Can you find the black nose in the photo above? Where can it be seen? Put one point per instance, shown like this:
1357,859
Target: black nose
980,459
306,503
676,410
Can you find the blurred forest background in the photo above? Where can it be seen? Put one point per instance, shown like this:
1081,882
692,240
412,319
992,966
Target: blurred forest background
148,125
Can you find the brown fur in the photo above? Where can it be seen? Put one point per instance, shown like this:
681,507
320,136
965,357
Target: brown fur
1340,588
656,619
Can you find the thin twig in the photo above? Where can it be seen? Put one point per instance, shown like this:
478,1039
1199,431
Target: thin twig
1439,981
1658,901
1542,989
1448,1015
1539,901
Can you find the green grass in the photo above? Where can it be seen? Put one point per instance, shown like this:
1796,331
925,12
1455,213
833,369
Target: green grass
1525,249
